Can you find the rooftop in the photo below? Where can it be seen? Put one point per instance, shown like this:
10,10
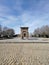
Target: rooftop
24,27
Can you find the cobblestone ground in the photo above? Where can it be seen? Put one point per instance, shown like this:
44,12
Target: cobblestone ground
24,54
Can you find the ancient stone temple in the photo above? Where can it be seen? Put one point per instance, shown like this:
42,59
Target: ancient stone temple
24,32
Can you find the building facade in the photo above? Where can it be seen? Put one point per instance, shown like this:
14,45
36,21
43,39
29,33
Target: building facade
24,32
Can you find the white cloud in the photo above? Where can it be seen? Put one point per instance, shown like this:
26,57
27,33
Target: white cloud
9,20
25,19
32,18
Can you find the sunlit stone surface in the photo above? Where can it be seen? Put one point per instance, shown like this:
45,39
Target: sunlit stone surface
24,53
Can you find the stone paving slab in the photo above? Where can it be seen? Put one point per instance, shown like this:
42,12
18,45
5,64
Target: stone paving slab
24,54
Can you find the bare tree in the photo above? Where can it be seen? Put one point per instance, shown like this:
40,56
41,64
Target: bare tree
5,28
37,32
4,31
0,27
43,31
10,32
0,30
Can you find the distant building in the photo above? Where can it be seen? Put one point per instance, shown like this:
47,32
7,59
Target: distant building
24,32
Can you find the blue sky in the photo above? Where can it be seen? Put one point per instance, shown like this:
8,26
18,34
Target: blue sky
17,13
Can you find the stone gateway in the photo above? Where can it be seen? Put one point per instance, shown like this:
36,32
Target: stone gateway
24,32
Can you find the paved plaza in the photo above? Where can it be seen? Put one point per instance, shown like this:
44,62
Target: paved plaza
32,51
29,40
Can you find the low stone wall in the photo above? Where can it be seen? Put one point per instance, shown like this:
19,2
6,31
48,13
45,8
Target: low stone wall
24,53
